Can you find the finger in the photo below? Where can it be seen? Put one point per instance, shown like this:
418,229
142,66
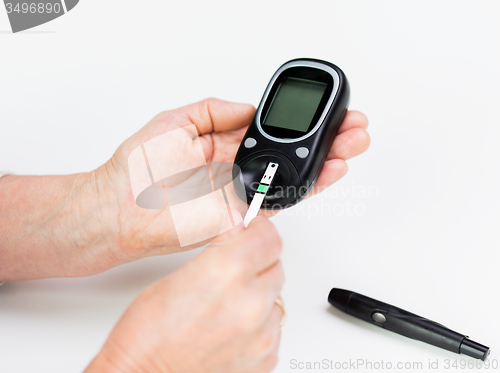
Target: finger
248,252
214,115
269,363
353,119
271,281
349,144
260,246
332,171
266,339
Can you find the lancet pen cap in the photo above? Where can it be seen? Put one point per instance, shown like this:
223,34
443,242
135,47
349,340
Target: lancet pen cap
339,298
474,349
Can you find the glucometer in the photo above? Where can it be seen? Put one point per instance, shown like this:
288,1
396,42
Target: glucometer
293,129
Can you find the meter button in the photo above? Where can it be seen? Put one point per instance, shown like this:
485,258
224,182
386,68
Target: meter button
250,142
302,152
378,317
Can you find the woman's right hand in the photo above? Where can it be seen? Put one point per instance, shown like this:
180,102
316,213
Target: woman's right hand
216,314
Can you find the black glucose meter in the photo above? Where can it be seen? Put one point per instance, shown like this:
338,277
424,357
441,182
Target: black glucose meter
294,126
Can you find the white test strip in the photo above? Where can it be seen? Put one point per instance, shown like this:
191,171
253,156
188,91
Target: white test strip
261,192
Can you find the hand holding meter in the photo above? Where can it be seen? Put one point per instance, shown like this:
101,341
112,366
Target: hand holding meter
294,127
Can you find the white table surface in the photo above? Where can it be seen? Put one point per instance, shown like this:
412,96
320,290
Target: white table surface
414,223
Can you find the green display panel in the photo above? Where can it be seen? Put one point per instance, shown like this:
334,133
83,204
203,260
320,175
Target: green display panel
294,104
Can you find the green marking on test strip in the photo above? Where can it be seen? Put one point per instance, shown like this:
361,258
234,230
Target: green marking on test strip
262,188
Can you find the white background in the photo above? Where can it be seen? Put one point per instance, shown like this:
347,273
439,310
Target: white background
414,223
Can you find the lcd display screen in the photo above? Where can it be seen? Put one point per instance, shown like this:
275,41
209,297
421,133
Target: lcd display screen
294,104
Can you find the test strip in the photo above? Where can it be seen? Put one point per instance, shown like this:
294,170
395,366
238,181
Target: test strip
260,194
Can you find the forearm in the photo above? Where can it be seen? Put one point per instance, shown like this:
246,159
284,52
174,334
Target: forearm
53,226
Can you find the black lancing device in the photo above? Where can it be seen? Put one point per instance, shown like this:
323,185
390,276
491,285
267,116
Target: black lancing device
295,124
405,323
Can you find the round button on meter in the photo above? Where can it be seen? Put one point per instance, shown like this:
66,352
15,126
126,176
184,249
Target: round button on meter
250,142
302,152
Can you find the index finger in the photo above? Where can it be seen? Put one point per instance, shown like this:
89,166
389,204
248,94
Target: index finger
353,119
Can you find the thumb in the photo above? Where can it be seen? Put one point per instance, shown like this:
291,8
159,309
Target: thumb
214,115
